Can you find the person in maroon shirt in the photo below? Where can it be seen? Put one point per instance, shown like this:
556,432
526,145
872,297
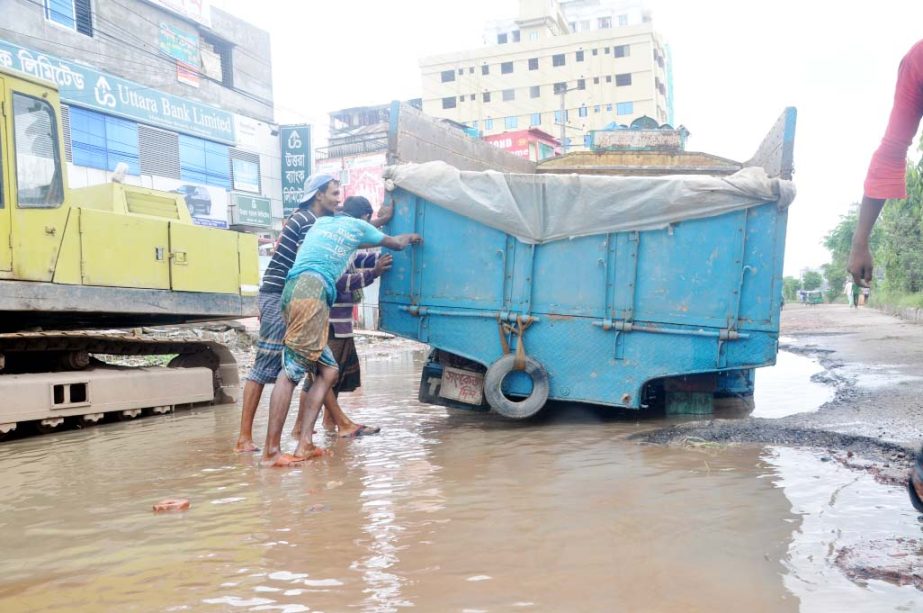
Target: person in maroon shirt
886,179
886,174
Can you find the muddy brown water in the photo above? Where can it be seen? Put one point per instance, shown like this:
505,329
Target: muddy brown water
445,510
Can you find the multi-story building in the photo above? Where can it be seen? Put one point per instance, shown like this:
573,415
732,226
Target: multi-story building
178,93
564,66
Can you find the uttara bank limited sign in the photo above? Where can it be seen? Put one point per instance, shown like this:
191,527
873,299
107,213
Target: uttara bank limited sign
82,86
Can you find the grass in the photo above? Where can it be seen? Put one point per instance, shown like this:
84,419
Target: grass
881,298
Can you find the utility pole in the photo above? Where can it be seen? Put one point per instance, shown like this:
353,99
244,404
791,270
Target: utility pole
563,91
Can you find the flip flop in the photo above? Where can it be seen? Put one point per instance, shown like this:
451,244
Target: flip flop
286,460
362,430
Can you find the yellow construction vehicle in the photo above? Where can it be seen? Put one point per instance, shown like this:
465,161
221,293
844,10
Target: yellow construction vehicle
77,263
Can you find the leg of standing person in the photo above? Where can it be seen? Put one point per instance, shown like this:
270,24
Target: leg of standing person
266,366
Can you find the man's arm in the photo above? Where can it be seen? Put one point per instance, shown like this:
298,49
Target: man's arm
860,256
385,213
886,173
401,241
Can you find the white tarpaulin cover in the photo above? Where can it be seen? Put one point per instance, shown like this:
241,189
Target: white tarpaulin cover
538,208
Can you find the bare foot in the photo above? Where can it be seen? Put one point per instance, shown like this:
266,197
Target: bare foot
329,424
281,460
245,445
356,430
309,453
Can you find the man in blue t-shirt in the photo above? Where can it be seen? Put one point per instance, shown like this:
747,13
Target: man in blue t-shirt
310,290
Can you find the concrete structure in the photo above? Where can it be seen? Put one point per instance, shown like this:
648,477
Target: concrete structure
578,64
532,144
179,92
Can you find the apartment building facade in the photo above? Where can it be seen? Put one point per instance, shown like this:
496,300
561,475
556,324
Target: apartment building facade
538,72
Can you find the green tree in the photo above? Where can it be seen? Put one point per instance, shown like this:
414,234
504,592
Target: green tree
790,287
900,250
836,277
811,280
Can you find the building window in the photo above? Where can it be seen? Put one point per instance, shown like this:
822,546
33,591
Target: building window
461,71
509,95
159,152
608,108
485,69
474,124
595,51
588,141
533,63
624,108
621,51
515,36
447,75
557,59
73,14
535,119
204,162
582,111
560,117
501,39
486,97
488,124
596,109
560,88
595,80
471,70
471,98
533,35
217,63
622,80
38,161
461,99
608,78
623,20
604,23
245,171
535,91
580,56
581,83
448,103
506,68
606,50
511,123
102,141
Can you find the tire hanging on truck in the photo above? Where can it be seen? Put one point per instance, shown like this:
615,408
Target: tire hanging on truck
510,362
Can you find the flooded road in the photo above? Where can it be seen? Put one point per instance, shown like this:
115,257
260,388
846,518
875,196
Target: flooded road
445,510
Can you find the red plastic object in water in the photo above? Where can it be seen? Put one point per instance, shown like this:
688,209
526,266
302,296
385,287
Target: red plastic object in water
171,504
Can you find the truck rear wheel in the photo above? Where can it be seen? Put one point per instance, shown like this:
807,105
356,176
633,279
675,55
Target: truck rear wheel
499,402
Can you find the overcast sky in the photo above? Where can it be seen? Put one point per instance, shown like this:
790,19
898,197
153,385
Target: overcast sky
736,65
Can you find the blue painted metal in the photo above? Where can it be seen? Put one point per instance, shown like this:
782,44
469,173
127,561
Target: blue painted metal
611,311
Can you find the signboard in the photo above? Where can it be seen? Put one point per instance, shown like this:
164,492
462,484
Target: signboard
634,139
295,141
196,10
462,385
251,210
187,75
82,86
180,45
360,175
207,204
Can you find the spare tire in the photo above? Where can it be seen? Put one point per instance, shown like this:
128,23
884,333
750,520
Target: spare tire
513,409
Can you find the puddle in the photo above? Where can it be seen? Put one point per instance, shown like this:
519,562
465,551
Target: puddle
840,511
787,388
444,510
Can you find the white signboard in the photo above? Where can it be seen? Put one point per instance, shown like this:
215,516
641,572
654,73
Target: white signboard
462,385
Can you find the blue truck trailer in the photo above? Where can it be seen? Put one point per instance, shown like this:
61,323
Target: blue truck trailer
630,279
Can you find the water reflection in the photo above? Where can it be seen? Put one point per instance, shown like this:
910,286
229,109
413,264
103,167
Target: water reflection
443,511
